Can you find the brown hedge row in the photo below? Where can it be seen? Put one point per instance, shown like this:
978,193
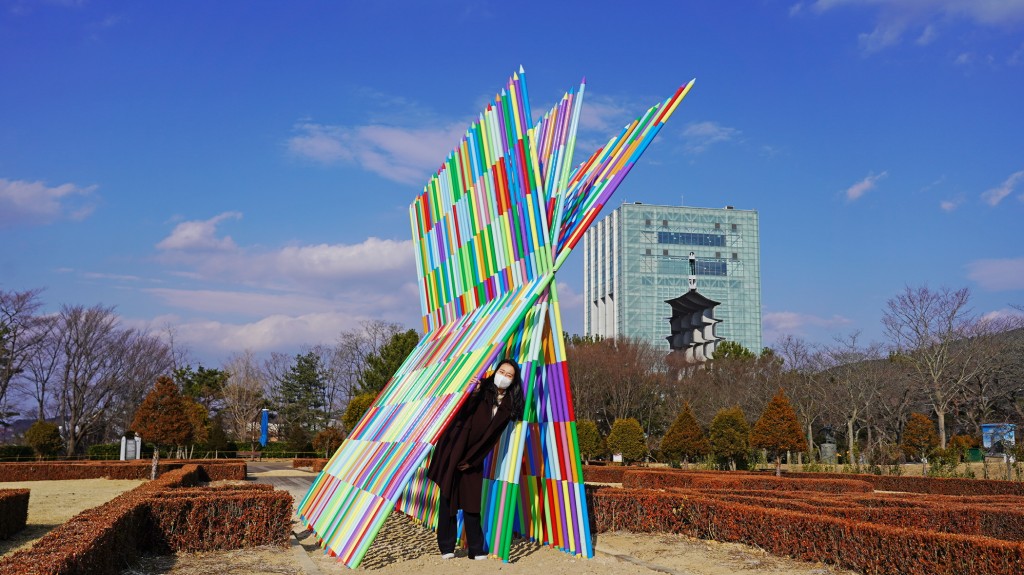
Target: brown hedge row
594,474
931,485
713,480
13,511
316,464
219,520
155,516
216,469
987,521
865,547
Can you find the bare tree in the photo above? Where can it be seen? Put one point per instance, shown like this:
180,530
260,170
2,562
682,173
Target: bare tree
932,331
802,366
245,395
854,382
43,368
352,349
139,358
89,341
20,337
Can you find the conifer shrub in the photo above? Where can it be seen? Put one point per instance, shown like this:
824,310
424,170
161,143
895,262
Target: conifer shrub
685,440
627,438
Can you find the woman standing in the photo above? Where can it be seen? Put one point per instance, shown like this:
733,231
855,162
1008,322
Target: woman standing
457,464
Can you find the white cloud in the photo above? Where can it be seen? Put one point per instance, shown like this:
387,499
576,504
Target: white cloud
896,17
604,114
949,205
33,203
964,59
406,155
777,324
857,190
199,235
995,195
997,274
701,135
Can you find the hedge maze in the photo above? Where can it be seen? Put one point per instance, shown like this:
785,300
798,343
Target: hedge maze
872,524
173,513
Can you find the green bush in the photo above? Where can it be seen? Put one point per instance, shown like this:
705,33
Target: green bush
627,438
16,453
104,451
44,438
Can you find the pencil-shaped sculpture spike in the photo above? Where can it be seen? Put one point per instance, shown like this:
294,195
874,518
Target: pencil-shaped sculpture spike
491,228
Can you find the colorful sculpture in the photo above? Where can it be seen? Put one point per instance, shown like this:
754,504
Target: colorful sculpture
491,228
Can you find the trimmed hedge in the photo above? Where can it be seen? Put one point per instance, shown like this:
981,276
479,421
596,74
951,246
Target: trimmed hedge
215,469
711,480
931,485
610,474
316,464
13,511
168,514
865,547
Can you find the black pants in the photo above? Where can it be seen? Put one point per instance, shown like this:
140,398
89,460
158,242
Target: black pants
447,525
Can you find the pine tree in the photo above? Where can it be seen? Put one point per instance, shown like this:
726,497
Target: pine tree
301,400
919,437
778,430
381,366
730,435
627,438
163,417
590,441
685,440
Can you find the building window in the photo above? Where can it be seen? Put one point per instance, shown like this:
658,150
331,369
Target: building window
711,268
664,252
735,256
691,239
718,255
647,222
718,226
647,251
664,223
734,227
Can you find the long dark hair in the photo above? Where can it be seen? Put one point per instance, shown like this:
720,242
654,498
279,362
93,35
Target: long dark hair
514,392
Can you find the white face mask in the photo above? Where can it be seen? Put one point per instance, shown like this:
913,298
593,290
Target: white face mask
502,381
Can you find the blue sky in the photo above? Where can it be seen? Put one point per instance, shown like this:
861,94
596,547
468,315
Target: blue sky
242,170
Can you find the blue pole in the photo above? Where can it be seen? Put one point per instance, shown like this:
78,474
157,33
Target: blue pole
264,424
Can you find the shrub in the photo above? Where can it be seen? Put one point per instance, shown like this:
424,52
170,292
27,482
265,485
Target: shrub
590,441
627,438
685,440
778,430
919,437
357,407
16,453
730,433
328,441
104,451
44,438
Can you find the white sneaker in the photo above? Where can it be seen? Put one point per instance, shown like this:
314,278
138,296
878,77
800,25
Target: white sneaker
480,557
448,556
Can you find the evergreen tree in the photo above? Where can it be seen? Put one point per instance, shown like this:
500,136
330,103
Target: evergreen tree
627,438
733,350
301,400
730,434
778,430
381,366
203,385
44,438
590,441
218,437
163,417
919,437
685,439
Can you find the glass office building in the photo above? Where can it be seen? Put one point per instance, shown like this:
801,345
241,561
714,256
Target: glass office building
637,257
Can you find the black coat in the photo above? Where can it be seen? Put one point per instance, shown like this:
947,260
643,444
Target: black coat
469,438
